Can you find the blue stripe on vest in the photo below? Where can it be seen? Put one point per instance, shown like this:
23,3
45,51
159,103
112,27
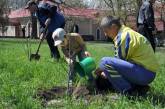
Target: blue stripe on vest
127,43
119,45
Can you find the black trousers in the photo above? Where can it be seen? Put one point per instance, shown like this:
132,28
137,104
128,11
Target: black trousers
148,34
53,50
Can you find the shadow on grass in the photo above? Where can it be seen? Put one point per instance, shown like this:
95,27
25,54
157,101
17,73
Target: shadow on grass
156,98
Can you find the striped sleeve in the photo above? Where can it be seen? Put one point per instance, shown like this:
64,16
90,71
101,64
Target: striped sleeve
122,46
127,44
118,48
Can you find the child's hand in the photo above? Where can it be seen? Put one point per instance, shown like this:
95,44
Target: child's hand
103,75
69,61
87,53
99,72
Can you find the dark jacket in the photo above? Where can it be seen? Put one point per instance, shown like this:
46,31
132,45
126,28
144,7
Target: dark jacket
45,11
146,16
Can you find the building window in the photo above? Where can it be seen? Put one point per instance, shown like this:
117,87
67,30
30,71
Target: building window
98,33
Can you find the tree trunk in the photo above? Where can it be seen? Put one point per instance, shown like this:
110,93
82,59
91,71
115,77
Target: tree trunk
139,3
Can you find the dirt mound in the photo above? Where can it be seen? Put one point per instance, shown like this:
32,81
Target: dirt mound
49,94
59,92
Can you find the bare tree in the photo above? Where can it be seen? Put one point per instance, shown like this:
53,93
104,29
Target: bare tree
3,16
162,11
71,4
120,8
15,4
75,3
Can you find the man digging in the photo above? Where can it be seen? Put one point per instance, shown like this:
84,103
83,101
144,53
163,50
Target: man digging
72,46
48,16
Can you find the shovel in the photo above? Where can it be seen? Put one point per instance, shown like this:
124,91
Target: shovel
36,56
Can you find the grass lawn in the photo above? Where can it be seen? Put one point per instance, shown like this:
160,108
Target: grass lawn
20,79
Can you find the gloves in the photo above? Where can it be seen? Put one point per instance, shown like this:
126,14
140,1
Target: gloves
47,22
42,36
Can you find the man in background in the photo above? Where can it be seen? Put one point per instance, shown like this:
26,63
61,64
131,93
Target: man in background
50,20
23,31
146,21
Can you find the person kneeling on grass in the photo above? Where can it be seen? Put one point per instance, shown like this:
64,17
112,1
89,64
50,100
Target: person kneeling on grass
72,45
134,63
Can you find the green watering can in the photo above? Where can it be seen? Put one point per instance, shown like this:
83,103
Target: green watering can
85,67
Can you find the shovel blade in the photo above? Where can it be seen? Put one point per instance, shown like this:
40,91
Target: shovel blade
34,57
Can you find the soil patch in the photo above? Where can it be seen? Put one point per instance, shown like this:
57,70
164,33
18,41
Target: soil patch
59,92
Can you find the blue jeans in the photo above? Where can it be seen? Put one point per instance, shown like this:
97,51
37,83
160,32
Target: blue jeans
123,74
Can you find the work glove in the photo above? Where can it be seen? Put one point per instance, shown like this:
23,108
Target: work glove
47,22
42,36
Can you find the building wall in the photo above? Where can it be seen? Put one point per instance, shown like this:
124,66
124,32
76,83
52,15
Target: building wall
10,31
16,31
96,27
86,27
25,20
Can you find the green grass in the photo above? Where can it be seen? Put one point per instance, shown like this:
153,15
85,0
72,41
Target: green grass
20,79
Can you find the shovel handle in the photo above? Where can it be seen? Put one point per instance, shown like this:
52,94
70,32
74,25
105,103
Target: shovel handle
39,46
44,33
